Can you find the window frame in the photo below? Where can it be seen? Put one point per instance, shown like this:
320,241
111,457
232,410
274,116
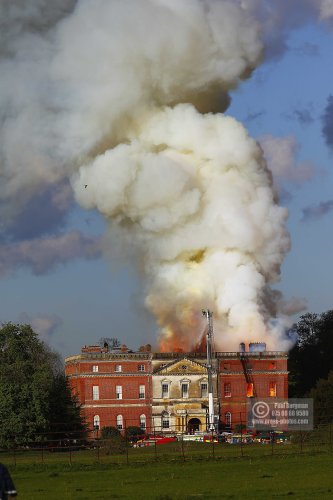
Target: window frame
95,393
204,393
142,391
227,389
165,394
272,385
119,422
184,394
97,422
228,419
119,392
143,422
249,389
165,420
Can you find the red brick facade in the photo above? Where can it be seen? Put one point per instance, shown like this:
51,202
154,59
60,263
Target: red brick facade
116,388
111,386
244,375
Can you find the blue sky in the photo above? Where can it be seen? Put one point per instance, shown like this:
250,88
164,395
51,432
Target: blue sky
299,81
76,297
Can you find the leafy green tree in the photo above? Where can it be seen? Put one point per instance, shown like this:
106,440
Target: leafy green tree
33,391
109,432
311,358
26,373
112,440
65,419
133,433
322,395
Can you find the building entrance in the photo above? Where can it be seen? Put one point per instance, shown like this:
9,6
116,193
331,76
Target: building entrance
193,425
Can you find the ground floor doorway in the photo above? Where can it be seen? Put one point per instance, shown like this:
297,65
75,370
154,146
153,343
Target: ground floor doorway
193,425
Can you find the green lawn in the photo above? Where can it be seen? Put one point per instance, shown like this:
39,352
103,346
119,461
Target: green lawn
165,476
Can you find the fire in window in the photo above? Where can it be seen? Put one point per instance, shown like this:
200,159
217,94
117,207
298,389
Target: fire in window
249,390
272,389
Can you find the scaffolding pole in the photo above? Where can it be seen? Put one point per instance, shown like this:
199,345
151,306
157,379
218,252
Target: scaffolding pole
211,418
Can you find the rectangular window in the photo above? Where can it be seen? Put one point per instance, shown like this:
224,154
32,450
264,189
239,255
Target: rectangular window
226,366
227,390
184,390
165,421
142,392
272,389
249,390
165,390
95,391
119,392
141,368
204,389
95,368
118,368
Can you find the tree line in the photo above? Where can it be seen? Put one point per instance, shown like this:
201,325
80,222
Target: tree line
311,362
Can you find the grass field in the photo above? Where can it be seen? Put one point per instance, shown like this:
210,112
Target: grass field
172,472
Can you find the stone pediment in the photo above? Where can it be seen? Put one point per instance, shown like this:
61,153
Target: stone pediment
182,366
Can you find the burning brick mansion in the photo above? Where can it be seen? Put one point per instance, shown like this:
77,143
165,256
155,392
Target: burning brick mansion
168,392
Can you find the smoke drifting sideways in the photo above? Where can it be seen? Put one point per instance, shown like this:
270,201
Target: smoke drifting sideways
128,98
178,181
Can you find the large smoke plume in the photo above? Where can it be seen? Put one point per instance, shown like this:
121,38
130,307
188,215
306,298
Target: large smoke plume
127,98
187,187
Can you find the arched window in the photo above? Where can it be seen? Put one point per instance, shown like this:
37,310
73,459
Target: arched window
143,422
96,422
227,417
119,422
165,420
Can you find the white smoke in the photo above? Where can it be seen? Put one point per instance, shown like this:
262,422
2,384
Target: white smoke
190,191
127,97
